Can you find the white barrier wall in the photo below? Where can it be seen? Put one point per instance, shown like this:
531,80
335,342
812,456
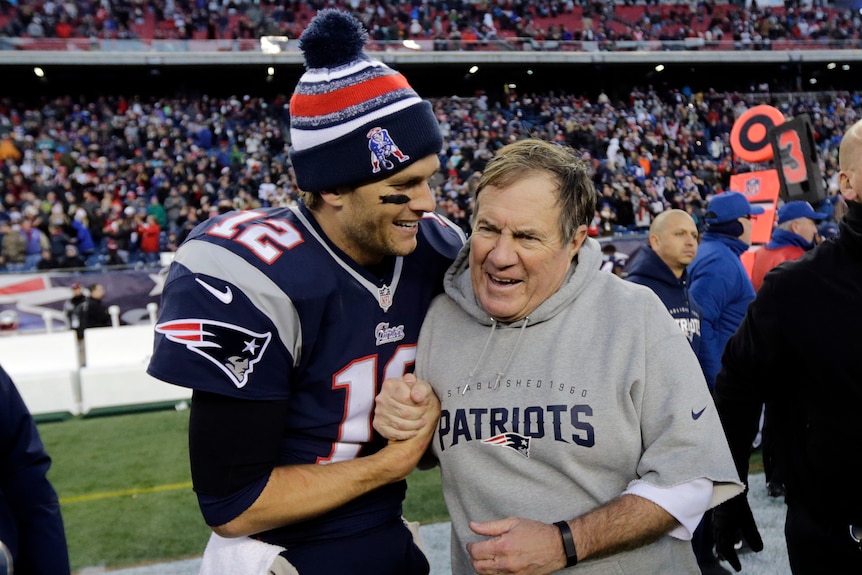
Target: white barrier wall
115,373
44,368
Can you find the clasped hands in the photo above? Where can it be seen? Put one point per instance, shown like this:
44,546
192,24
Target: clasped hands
405,409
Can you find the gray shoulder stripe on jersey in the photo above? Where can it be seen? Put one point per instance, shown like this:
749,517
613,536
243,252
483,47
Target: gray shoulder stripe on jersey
452,225
210,259
372,289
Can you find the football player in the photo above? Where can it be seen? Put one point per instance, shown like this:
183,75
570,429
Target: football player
286,321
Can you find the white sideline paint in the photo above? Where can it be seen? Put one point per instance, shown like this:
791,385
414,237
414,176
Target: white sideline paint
45,370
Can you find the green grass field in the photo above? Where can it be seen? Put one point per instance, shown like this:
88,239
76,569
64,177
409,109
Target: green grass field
125,489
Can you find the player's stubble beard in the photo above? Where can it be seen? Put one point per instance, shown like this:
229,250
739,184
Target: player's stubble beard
374,236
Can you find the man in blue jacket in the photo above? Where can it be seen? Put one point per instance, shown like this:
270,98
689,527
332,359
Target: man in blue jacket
30,522
718,280
661,266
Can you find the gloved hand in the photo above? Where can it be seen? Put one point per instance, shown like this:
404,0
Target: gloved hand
730,520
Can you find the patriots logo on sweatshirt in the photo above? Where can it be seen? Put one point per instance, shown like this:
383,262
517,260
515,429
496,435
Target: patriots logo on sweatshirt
516,441
234,349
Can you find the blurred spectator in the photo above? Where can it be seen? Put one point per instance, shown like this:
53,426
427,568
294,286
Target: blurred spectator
83,237
8,150
121,227
174,205
114,258
155,209
58,239
34,242
48,261
12,247
72,258
70,306
149,233
92,312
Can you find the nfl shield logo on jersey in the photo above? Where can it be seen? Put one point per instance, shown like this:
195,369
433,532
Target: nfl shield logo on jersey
384,297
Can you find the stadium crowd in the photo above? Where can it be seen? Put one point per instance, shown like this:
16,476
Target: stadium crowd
452,24
118,180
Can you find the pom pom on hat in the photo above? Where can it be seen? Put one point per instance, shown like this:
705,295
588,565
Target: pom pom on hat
332,40
353,120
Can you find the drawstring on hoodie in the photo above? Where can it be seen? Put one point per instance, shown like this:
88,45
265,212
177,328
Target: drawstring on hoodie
502,372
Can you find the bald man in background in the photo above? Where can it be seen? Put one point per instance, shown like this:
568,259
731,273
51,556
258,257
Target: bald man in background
662,267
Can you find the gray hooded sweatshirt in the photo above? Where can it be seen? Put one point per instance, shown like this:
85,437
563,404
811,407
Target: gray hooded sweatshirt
549,417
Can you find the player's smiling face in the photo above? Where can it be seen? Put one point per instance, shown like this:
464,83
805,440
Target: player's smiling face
517,258
382,218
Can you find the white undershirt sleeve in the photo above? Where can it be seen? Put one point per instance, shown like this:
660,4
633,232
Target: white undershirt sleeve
687,502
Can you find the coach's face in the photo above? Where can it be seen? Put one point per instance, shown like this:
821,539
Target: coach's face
517,257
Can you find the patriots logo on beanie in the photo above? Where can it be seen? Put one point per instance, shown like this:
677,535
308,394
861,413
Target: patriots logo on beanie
347,105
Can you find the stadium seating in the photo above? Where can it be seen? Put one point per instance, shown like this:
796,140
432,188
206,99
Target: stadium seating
48,387
115,372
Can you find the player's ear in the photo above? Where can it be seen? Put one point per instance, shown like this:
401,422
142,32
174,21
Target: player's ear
334,198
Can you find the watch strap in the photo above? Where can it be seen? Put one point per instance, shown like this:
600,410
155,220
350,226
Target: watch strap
568,543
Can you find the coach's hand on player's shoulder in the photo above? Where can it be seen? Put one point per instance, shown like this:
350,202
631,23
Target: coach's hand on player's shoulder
401,408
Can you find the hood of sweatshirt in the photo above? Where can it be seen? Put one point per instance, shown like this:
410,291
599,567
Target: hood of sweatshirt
459,287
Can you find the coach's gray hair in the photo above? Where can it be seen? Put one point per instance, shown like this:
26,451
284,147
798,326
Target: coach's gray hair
575,192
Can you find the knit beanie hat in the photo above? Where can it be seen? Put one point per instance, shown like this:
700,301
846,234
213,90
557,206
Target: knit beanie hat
353,120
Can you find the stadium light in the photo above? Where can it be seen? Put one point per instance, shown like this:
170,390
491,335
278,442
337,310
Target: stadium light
659,68
473,69
529,72
270,71
511,86
40,73
845,67
831,66
812,81
273,44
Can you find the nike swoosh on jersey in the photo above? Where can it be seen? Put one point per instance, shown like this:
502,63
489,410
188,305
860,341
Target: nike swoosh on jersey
695,415
225,296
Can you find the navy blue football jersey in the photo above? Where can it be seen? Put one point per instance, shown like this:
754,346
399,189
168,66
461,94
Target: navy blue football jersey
261,305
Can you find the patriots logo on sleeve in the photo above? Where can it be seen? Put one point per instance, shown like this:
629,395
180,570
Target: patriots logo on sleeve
233,349
516,441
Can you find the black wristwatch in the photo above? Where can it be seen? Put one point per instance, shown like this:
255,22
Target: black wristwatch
568,543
